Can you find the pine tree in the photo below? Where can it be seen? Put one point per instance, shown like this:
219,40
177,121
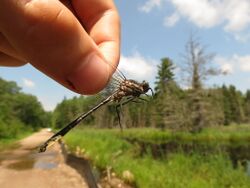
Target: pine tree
164,76
167,96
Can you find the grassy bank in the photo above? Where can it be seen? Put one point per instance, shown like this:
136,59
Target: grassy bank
178,169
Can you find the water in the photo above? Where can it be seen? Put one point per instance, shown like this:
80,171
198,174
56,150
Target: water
239,154
45,160
29,160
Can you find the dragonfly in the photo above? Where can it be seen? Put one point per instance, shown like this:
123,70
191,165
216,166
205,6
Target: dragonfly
122,91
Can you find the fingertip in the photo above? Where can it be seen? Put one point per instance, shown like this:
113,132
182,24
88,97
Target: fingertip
111,52
91,76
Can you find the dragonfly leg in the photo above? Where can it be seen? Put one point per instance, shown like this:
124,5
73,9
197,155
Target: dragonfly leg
147,95
120,106
118,115
139,101
143,99
152,92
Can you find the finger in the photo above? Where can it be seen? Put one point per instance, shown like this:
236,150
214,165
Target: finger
100,18
6,60
49,36
6,48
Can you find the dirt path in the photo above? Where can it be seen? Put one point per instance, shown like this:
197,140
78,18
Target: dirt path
25,168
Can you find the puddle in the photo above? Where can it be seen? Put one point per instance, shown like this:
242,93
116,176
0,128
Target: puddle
29,160
45,165
45,160
24,164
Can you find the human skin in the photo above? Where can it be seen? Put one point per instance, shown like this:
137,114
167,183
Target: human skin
75,42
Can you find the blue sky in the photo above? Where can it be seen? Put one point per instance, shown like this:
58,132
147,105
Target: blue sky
153,29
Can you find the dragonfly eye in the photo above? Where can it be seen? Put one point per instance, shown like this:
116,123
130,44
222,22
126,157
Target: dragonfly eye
145,86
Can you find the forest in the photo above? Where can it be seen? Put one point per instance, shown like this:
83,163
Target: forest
172,107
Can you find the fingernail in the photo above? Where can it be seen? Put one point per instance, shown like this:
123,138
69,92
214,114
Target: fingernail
90,76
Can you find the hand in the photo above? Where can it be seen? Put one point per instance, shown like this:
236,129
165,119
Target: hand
72,41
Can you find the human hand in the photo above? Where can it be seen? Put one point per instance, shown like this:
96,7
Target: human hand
71,41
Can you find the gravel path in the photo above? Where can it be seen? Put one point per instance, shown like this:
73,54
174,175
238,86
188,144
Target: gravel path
23,167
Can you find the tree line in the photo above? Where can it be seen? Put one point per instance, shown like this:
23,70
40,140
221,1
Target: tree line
19,112
172,107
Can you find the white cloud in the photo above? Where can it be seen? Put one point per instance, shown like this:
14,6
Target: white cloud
226,64
171,20
138,67
232,15
234,63
28,83
149,5
244,63
227,68
237,14
203,13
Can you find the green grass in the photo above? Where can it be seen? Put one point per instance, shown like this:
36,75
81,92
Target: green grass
108,148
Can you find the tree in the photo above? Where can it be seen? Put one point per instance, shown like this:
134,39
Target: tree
167,103
8,87
227,106
69,109
196,68
165,75
234,103
19,111
197,64
30,111
247,105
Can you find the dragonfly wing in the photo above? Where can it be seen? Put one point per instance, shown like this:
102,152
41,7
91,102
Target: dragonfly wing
113,85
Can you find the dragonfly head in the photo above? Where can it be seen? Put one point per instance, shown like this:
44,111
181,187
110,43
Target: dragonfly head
146,88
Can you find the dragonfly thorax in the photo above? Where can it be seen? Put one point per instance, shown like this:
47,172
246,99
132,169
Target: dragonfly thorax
131,88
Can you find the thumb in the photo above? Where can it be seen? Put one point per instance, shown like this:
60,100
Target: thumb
50,37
